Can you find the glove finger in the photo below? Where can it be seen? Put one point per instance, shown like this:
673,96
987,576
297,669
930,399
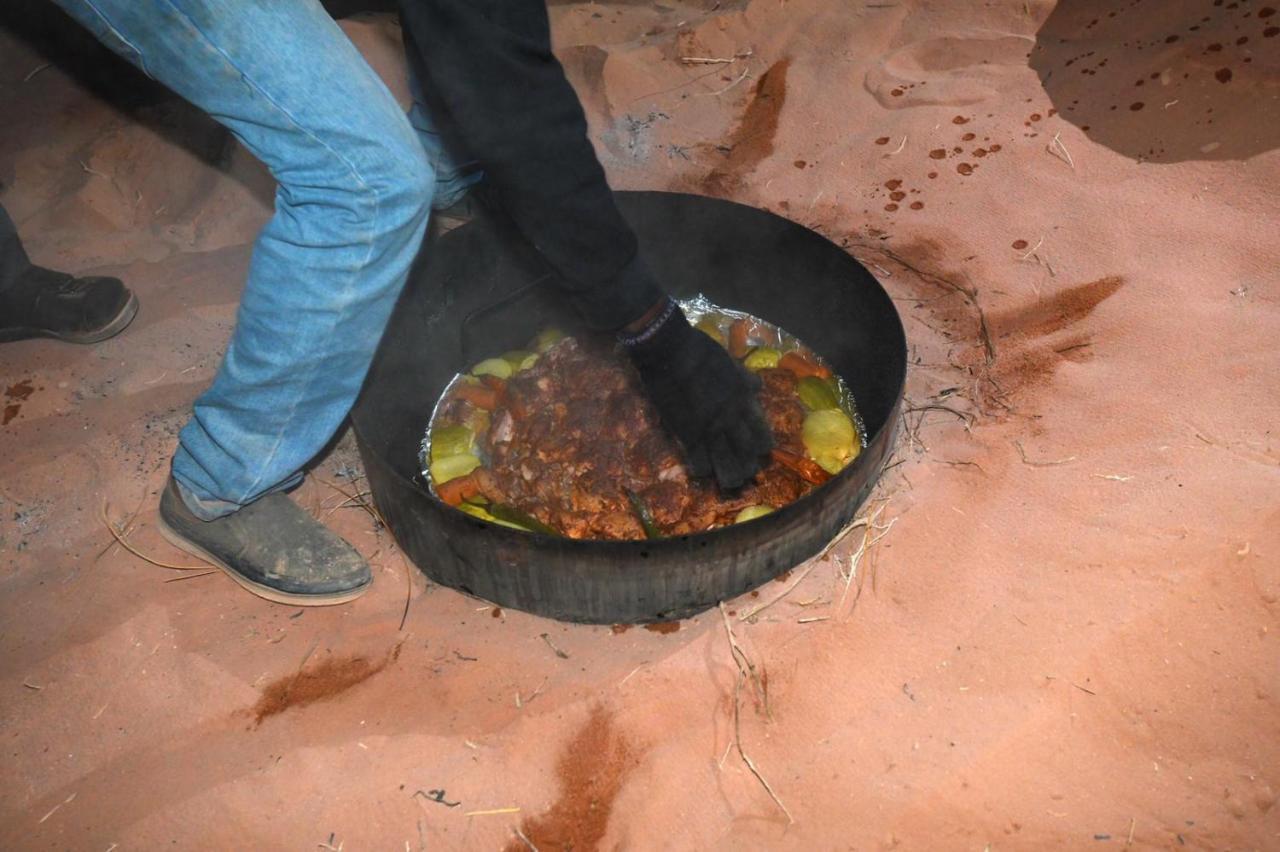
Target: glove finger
752,442
755,436
733,467
698,460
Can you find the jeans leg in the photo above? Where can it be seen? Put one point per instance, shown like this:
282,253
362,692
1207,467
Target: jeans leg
351,206
454,174
13,258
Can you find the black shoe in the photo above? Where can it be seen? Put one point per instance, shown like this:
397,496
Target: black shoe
45,303
272,548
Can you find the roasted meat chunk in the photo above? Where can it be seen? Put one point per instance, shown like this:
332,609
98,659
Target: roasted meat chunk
574,443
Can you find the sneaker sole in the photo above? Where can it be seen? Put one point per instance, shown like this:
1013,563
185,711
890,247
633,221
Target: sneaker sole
265,592
111,329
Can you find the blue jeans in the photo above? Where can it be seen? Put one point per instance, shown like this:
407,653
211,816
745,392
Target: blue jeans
454,174
355,188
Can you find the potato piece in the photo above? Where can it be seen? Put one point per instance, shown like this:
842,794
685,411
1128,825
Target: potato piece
817,394
762,358
452,467
520,359
492,367
830,439
451,441
547,338
751,513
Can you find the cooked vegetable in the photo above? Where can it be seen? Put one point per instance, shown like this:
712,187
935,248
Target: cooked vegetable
762,358
751,513
475,511
451,441
739,345
478,512
802,366
642,512
481,396
456,491
710,326
492,367
513,517
477,420
452,467
817,394
520,359
502,428
830,439
808,469
547,338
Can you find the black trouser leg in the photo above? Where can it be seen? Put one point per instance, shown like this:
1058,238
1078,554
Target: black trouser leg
491,81
13,258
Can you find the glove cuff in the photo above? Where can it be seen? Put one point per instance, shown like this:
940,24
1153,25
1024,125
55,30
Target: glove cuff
668,310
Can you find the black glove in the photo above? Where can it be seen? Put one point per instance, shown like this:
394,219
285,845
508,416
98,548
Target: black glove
704,398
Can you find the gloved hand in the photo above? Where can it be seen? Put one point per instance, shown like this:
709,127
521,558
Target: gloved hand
704,398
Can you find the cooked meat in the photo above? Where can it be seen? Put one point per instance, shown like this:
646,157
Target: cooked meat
575,443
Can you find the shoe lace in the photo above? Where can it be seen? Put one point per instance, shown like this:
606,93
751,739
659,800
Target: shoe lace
73,287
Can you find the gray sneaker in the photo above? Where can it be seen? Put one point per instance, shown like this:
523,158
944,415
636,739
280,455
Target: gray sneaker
271,547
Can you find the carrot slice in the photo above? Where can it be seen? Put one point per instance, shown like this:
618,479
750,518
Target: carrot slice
802,366
499,386
738,331
481,396
808,469
455,491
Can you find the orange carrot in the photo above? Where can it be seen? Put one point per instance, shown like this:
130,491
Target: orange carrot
808,469
481,396
738,346
499,386
457,490
802,366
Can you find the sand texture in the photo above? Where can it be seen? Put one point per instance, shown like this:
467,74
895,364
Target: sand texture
1062,632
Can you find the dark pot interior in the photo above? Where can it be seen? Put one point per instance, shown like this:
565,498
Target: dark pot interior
469,297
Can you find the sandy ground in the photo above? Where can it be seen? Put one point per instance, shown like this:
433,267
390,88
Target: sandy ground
1066,639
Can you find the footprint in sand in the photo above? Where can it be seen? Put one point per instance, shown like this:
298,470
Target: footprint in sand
950,70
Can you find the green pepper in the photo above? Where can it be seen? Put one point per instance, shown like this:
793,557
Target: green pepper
547,338
751,513
513,517
478,512
830,438
475,511
710,326
451,441
817,394
492,367
762,358
642,512
452,467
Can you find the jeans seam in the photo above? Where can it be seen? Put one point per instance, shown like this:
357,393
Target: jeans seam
142,62
366,237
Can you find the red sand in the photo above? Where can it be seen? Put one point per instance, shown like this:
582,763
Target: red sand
1066,639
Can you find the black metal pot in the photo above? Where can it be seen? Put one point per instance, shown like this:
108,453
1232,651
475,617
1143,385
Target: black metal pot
472,291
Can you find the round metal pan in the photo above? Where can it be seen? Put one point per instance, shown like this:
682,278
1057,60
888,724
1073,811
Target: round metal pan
476,292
